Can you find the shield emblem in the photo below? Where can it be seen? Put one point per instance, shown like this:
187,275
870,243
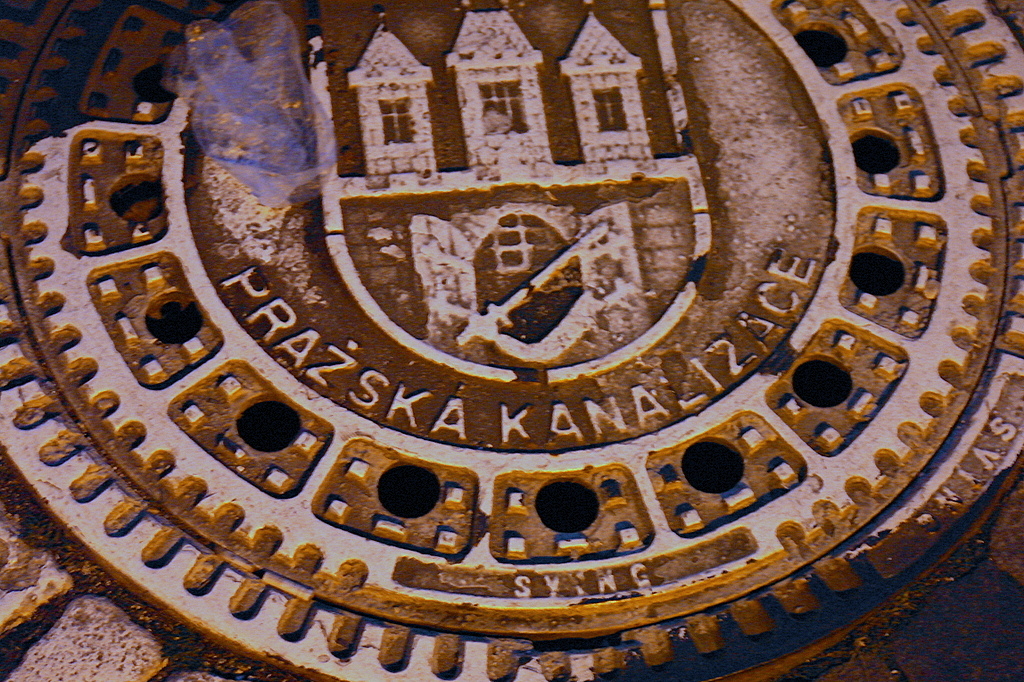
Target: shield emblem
518,257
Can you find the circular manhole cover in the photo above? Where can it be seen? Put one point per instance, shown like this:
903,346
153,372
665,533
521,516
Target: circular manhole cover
662,339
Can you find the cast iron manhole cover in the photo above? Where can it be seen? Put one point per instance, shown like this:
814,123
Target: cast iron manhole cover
662,340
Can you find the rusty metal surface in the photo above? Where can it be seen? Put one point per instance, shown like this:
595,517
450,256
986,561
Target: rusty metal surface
653,339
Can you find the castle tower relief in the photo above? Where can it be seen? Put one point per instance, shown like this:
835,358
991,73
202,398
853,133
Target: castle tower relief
499,93
391,86
606,97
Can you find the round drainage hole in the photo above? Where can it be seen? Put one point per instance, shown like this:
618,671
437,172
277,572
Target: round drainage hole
875,154
823,47
147,85
876,273
822,383
408,491
138,202
711,467
566,506
174,321
269,426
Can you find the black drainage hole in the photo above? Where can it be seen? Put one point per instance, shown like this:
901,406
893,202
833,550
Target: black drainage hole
822,383
711,467
269,426
138,202
174,321
567,507
875,155
876,273
147,85
408,491
824,48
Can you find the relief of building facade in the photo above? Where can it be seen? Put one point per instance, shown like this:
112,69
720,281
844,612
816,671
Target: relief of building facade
392,89
609,112
504,123
499,94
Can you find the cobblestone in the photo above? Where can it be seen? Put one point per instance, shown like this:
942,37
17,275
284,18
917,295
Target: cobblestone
29,578
94,641
1007,543
862,668
968,631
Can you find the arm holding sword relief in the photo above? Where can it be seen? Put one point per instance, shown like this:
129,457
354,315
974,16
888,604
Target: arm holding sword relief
489,325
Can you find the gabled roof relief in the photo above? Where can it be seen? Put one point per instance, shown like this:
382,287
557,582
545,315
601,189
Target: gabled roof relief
596,49
387,59
491,37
